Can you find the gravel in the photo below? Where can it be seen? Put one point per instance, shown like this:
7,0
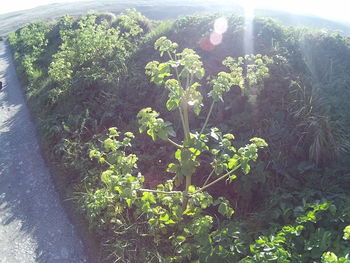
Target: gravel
33,224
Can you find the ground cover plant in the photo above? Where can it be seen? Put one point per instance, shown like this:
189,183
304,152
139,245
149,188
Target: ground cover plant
168,194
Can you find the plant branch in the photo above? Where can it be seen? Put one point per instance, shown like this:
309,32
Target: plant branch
176,71
175,144
217,180
159,192
207,119
209,176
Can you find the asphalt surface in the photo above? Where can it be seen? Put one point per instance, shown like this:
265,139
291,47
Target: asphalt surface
33,224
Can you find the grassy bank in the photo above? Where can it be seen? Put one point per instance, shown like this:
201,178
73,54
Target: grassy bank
84,75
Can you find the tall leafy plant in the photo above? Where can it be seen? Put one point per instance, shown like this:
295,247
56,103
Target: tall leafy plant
181,76
176,218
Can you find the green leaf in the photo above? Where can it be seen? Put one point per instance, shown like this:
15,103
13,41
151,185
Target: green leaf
172,168
191,189
180,239
178,155
105,176
232,177
113,132
229,136
245,167
224,208
233,162
129,135
259,142
221,84
148,197
164,217
128,202
346,233
329,257
110,144
197,109
165,45
155,127
214,134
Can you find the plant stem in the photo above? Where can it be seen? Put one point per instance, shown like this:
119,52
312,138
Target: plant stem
186,121
187,135
180,110
159,192
209,176
182,121
207,119
185,196
188,182
217,180
174,143
183,110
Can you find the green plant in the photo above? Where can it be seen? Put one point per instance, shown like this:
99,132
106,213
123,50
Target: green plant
138,221
307,239
180,76
177,219
28,43
329,257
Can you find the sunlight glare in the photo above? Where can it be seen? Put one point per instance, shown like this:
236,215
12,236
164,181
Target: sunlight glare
248,24
220,25
215,38
191,103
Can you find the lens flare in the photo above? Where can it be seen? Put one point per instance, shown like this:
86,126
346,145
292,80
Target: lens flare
215,38
220,25
206,44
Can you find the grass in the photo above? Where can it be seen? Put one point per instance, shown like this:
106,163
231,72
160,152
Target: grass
154,9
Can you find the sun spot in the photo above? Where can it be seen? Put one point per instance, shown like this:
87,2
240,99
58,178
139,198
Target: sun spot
220,25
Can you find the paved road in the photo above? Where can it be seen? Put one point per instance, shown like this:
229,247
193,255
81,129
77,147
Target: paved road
33,225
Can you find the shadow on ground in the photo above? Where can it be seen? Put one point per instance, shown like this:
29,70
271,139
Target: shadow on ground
33,224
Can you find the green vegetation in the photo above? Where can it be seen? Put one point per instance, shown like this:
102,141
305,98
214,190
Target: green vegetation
182,193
